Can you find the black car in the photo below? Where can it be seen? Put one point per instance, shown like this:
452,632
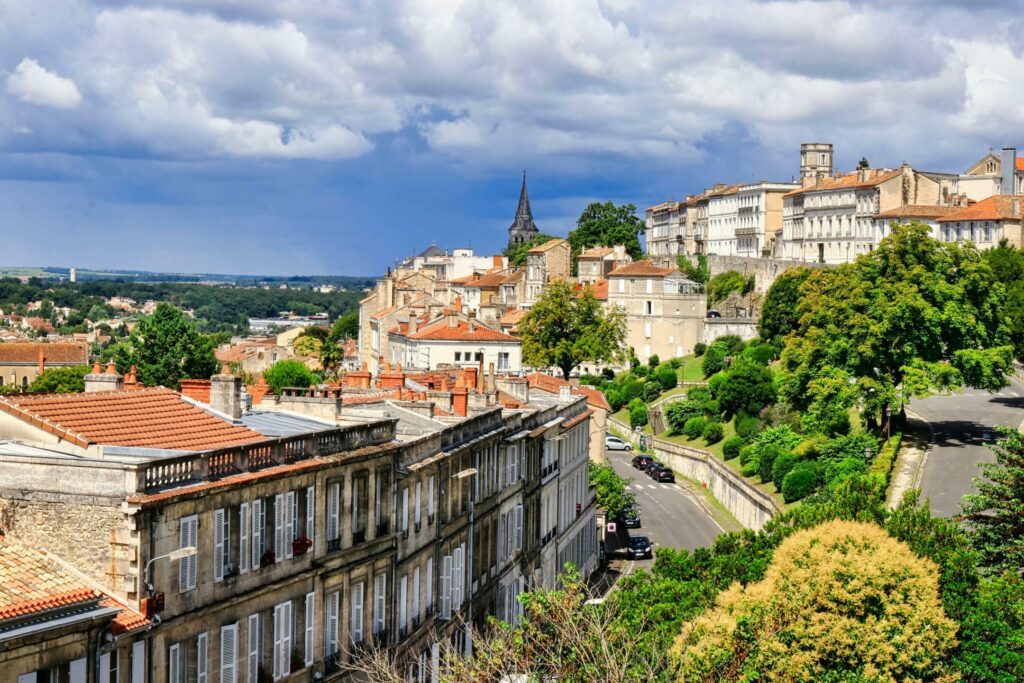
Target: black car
665,474
631,520
655,469
640,548
651,466
641,461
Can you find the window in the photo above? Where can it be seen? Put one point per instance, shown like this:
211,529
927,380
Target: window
419,503
221,544
428,586
108,669
622,285
332,609
503,360
380,605
359,505
243,538
282,640
405,510
228,653
458,575
417,608
355,627
650,285
403,605
648,308
430,498
445,608
175,670
254,653
202,658
647,330
310,511
187,538
333,510
458,356
259,520
139,663
519,527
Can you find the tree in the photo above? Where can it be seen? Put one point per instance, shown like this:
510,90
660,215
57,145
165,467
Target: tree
778,313
66,380
748,387
912,317
1007,264
564,329
698,273
996,512
307,345
346,327
863,163
605,224
289,373
516,253
722,285
611,490
166,348
841,601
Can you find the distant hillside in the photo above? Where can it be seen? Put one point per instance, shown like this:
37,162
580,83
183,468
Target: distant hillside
83,274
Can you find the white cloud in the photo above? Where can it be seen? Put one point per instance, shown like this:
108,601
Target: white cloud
34,84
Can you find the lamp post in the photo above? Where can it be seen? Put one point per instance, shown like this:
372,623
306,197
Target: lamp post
469,472
888,421
179,554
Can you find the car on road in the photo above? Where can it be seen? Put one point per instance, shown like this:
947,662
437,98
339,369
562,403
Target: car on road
714,314
641,461
631,520
614,443
653,468
640,548
666,475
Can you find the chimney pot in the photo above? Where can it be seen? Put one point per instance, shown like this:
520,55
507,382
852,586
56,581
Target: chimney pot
226,395
111,368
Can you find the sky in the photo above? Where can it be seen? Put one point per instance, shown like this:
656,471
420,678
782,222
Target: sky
332,137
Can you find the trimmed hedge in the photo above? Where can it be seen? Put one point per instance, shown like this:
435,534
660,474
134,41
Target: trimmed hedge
781,467
731,447
881,467
713,432
694,427
800,482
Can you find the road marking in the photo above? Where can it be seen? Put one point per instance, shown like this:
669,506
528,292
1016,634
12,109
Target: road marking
669,486
652,486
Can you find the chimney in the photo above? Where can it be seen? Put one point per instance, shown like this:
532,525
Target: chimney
565,394
226,394
42,361
110,380
1009,169
490,377
414,324
453,319
472,322
460,398
470,377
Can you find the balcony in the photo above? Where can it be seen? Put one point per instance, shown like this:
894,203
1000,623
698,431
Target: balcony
747,231
334,545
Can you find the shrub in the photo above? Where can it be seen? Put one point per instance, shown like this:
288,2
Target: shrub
716,381
678,412
289,373
836,471
760,354
746,453
748,388
849,446
667,377
783,465
881,465
637,416
694,427
652,390
765,463
714,359
608,374
676,363
632,389
800,481
699,394
712,432
699,348
641,371
747,426
750,468
732,343
731,447
711,408
615,399
653,361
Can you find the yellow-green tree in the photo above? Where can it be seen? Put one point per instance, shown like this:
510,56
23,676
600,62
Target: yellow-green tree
308,345
841,599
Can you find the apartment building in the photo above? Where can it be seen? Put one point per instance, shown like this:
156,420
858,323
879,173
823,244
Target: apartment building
545,263
665,232
759,217
277,544
451,340
594,264
985,223
664,310
722,220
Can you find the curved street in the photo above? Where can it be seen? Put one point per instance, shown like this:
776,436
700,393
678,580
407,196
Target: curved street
963,425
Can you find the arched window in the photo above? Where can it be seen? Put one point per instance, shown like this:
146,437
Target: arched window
24,383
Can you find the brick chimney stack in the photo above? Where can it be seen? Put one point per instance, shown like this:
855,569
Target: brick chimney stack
111,380
460,397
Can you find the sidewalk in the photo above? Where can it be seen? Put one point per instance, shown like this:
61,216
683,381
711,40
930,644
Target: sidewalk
906,471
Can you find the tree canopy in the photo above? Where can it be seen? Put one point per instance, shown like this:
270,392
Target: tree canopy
289,373
166,348
611,490
996,512
516,253
1007,264
564,329
346,327
779,310
607,224
722,285
66,380
912,317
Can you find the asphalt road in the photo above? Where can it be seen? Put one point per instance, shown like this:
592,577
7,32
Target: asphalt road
963,425
669,514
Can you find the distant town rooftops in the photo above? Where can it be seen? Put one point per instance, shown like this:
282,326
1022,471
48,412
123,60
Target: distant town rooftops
995,208
918,211
644,268
71,353
446,328
867,177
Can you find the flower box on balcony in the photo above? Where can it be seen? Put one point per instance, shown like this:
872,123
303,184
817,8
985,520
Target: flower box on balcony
301,545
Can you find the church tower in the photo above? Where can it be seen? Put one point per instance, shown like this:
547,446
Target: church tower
523,228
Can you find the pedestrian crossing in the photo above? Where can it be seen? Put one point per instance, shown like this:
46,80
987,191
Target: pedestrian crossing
654,487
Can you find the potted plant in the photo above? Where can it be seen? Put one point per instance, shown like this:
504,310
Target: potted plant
267,558
301,545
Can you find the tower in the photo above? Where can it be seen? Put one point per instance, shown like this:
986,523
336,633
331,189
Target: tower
523,228
815,162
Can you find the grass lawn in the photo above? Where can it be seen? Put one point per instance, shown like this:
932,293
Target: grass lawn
692,369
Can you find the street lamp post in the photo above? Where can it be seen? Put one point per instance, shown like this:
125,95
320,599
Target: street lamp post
179,554
470,472
888,421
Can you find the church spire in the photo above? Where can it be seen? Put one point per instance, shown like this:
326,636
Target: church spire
523,227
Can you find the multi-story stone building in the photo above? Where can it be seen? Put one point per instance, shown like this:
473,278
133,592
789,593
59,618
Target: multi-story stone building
594,264
985,223
992,175
282,542
545,263
22,362
665,232
721,220
759,217
664,310
452,340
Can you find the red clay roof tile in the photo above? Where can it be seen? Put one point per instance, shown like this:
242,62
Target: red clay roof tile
30,582
65,352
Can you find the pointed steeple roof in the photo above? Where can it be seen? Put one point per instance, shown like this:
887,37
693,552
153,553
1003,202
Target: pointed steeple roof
523,225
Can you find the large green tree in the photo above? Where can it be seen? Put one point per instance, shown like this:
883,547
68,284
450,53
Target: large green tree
996,512
779,310
611,491
516,253
607,224
166,348
565,329
346,327
912,317
1008,267
66,380
289,373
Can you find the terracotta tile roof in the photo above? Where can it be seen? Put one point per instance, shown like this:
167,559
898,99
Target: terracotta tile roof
999,207
148,418
572,422
439,330
553,385
62,352
918,211
664,206
464,280
595,397
384,312
490,280
512,316
645,267
127,620
600,289
514,276
31,582
877,176
236,353
596,252
550,244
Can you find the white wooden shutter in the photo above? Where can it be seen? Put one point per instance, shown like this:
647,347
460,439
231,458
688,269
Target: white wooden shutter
279,627
229,653
104,668
30,677
310,511
279,527
202,658
519,526
333,506
356,613
308,620
419,502
380,588
430,496
187,538
332,611
416,611
76,671
445,608
243,538
139,661
257,532
456,579
174,664
287,625
253,641
403,605
405,509
218,544
290,506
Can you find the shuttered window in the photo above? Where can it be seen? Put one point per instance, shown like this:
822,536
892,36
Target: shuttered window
243,538
403,604
202,658
419,502
405,509
229,653
188,531
258,521
310,511
519,526
254,645
221,542
355,627
445,607
333,507
380,590
174,668
279,515
430,497
428,597
332,610
307,620
282,640
417,611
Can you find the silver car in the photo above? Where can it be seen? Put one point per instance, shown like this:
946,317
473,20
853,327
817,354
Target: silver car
614,443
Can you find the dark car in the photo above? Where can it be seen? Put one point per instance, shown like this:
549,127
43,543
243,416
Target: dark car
714,314
654,469
665,474
631,520
641,461
640,547
652,465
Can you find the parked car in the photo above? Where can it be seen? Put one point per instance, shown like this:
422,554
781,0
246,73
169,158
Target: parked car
641,461
614,443
714,314
666,475
631,520
650,467
640,548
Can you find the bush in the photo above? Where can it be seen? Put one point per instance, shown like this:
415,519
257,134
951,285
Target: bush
783,465
632,389
714,359
850,446
731,447
289,373
766,462
699,394
653,361
881,465
747,426
749,469
711,408
712,432
615,399
716,381
800,481
667,377
640,371
760,354
699,348
678,412
676,363
746,453
637,416
748,388
652,390
694,427
608,374
837,471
